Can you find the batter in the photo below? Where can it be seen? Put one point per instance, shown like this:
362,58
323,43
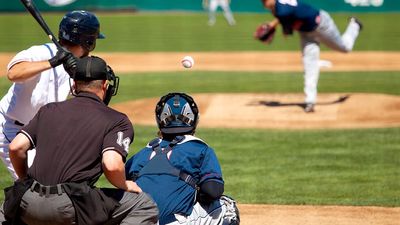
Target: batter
39,78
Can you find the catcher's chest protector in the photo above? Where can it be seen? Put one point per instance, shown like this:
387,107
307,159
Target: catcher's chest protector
160,164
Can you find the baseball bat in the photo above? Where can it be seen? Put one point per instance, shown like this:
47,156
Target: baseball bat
30,6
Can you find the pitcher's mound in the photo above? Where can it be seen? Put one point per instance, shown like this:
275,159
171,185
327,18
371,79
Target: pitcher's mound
284,111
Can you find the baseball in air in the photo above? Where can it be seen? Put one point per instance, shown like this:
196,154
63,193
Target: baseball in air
187,62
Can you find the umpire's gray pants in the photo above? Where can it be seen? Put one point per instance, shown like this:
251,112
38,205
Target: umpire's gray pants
135,208
54,209
51,209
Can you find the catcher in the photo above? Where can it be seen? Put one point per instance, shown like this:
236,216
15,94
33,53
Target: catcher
314,26
180,171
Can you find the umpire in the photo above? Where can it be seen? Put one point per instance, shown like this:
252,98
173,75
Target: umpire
76,141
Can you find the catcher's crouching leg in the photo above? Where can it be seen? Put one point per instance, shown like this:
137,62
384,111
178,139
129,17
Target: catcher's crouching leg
231,215
220,212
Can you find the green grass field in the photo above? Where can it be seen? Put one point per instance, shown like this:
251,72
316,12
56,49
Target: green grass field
189,32
341,167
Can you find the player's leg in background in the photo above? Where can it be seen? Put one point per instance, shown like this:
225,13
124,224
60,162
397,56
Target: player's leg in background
7,133
212,12
330,35
2,218
228,12
310,54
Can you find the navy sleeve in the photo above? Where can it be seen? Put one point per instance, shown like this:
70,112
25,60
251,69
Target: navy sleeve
286,15
296,15
210,167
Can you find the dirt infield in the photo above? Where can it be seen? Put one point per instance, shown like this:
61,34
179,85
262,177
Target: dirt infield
317,215
282,111
240,61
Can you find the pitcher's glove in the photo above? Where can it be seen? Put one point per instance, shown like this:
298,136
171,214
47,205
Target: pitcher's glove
265,33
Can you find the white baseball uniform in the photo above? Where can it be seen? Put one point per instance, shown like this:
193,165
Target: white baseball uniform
328,34
315,27
24,99
224,4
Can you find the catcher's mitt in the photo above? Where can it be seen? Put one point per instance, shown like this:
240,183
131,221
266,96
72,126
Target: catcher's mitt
265,33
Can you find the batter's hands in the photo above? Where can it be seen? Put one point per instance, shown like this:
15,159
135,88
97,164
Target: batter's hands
62,56
70,65
265,33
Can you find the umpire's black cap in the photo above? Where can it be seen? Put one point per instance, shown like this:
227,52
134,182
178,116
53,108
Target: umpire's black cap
91,68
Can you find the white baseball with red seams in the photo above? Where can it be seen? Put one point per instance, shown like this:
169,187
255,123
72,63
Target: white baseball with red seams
187,62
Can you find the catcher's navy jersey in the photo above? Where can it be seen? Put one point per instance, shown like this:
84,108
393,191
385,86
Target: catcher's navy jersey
296,15
172,194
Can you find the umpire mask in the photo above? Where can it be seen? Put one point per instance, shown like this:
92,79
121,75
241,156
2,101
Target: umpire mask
91,68
113,84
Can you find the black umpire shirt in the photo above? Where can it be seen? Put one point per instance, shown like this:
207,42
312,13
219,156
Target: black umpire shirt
71,136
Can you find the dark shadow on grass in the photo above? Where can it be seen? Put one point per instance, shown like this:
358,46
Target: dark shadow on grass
300,104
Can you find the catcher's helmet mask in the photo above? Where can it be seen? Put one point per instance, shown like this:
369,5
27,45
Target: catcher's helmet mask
94,68
177,113
81,28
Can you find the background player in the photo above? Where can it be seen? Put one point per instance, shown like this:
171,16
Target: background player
212,6
180,171
39,79
315,27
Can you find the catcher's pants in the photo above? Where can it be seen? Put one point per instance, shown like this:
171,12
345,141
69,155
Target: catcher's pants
328,34
8,131
220,212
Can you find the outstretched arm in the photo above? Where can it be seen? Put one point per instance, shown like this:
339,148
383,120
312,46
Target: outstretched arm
18,154
114,171
274,23
25,70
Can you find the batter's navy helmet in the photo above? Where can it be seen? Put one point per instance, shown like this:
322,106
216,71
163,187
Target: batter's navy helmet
177,113
81,28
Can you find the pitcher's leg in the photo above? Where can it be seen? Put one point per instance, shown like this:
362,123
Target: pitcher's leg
329,34
349,37
311,54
